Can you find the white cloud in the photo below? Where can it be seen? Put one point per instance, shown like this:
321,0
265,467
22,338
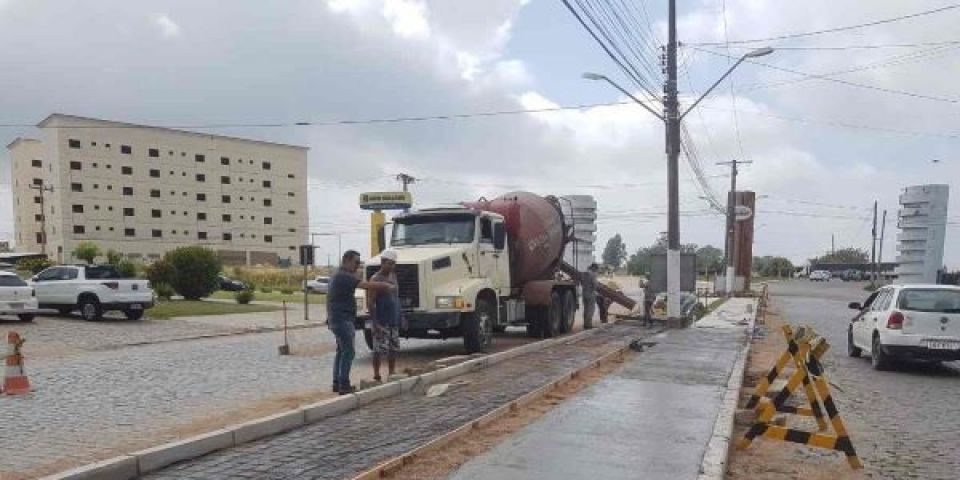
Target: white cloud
407,17
168,28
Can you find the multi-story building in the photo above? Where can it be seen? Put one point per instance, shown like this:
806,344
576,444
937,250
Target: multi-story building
923,225
145,190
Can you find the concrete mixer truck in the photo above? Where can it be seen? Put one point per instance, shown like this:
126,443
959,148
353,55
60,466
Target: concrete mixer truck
473,269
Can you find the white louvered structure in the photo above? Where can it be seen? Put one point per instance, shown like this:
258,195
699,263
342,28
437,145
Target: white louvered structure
580,212
922,221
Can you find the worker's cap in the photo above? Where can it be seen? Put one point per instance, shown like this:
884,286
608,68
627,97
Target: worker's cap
388,255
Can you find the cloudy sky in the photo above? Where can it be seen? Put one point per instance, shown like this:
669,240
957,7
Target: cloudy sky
823,150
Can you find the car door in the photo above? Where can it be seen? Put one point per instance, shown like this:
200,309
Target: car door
44,284
877,309
858,321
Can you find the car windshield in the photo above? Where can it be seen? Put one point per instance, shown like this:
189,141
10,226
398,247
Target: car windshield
11,281
431,229
102,272
930,300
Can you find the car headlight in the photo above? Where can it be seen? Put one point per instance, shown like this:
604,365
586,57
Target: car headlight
450,302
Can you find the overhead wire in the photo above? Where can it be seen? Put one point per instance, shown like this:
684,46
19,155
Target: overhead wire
853,47
731,83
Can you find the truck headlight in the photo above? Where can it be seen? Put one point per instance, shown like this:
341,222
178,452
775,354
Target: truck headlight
450,302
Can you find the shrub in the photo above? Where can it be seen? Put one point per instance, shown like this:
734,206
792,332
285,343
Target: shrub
266,290
160,272
244,297
34,265
286,291
127,269
113,257
163,290
86,251
195,271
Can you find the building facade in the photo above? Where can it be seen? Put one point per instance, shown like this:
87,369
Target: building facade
145,190
922,221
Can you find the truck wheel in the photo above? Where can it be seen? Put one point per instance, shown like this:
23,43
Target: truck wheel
554,318
478,327
368,338
534,322
569,312
26,317
90,309
133,314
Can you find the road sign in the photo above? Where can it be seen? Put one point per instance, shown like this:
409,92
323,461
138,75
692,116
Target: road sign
742,212
385,200
306,255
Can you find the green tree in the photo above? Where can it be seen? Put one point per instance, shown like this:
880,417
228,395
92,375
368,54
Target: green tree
709,259
844,255
195,271
86,251
770,266
34,265
113,257
615,252
639,262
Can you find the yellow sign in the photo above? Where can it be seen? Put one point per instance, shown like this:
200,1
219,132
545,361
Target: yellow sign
385,200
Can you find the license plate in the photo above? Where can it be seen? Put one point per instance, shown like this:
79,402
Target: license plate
935,345
136,306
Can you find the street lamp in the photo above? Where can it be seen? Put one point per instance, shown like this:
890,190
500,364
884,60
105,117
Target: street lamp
760,52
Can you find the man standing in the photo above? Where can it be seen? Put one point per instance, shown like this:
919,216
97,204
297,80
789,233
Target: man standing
648,297
342,315
384,310
588,284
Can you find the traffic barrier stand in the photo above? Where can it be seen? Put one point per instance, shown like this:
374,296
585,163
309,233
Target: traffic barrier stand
804,348
15,381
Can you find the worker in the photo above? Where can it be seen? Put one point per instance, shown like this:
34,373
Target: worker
384,308
603,303
588,284
342,315
648,297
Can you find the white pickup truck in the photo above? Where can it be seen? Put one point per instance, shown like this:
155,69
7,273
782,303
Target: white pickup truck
92,289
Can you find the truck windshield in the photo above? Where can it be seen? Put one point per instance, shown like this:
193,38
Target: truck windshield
429,229
932,300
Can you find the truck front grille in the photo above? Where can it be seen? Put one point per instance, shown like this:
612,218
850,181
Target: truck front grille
409,281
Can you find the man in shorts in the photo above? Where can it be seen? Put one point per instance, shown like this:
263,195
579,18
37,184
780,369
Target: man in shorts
384,307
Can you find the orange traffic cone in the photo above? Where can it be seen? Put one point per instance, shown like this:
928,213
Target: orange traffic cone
15,382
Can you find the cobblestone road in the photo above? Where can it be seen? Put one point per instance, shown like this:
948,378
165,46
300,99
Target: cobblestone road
347,444
903,422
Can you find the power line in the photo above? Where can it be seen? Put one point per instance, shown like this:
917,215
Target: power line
838,29
733,93
857,47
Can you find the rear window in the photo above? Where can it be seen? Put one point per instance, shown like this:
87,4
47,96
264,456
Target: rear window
11,281
102,272
941,301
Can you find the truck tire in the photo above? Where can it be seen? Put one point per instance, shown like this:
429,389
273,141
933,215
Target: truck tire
569,312
534,317
90,309
477,327
133,314
553,322
368,338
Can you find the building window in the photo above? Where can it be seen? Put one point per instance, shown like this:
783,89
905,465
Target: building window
224,161
128,191
292,230
201,177
200,158
76,166
153,152
290,175
73,143
97,228
38,217
157,233
291,212
80,229
225,180
201,197
185,213
266,165
202,235
37,199
228,237
126,170
40,238
109,167
173,212
38,181
268,238
225,198
156,213
94,164
266,184
36,163
154,193
129,232
125,149
226,217
128,212
78,209
267,202
201,216
154,173
268,220
96,186
174,232
291,194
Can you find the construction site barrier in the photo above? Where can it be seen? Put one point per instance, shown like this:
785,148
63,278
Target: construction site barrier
804,348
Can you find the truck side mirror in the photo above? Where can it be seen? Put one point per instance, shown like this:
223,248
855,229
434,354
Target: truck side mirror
499,236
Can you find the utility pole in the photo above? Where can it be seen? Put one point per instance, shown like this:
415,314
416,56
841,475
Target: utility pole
730,252
883,229
833,244
43,214
405,180
873,244
672,118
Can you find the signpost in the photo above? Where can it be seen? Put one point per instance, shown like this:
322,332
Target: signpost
378,202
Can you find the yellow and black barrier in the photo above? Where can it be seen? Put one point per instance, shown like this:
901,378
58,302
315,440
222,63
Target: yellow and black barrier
805,348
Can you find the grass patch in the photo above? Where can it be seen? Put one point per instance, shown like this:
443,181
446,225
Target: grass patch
189,308
315,298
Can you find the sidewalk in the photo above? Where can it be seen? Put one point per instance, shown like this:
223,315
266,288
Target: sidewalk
652,419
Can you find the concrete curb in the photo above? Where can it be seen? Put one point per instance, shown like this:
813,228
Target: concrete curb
717,454
150,460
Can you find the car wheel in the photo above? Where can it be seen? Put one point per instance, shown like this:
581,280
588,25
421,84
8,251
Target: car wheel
478,327
878,358
26,317
90,309
852,350
133,314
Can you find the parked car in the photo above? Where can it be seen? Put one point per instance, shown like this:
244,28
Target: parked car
907,321
92,289
851,275
17,297
231,285
799,274
820,276
318,285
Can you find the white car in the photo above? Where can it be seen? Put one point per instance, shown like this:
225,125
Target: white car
318,285
820,276
907,321
92,289
17,297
